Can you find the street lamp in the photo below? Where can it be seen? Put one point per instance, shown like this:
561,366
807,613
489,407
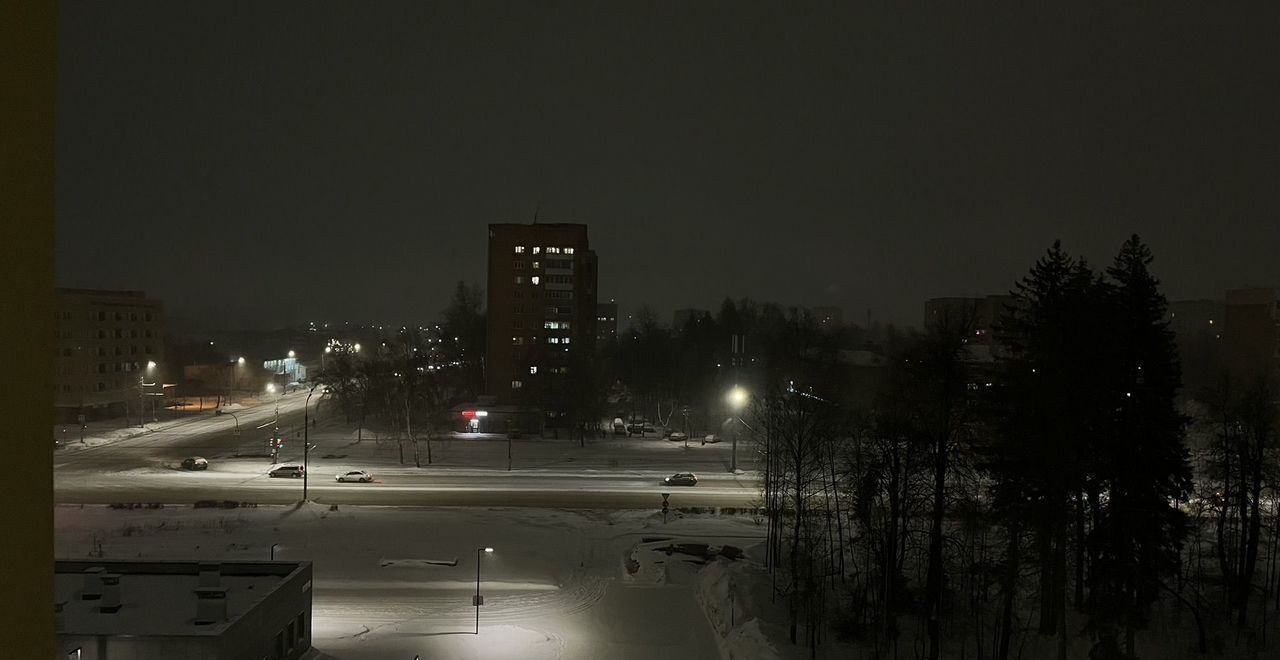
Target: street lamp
306,439
273,551
479,600
142,394
738,398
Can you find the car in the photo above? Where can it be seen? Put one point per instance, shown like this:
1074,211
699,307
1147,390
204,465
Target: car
681,479
195,463
711,439
359,476
636,427
291,471
618,427
677,437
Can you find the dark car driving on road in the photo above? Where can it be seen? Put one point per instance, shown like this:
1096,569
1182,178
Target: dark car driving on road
293,471
681,479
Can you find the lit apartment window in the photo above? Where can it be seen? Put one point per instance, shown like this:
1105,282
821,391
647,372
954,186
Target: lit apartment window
551,325
536,249
515,384
564,341
517,341
537,265
519,249
568,250
533,370
535,279
553,250
553,340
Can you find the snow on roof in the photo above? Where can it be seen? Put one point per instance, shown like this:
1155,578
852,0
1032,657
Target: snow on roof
159,597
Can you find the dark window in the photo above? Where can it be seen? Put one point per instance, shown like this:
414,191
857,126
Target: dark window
118,351
133,316
302,620
119,333
133,350
102,316
133,334
119,316
102,387
147,350
102,367
148,334
66,352
148,316
102,334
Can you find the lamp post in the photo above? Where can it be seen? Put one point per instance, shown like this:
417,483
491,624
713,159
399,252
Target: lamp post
273,551
738,398
142,394
306,439
479,600
231,376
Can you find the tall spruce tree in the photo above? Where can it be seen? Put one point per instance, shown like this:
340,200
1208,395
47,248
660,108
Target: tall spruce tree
1039,457
1140,462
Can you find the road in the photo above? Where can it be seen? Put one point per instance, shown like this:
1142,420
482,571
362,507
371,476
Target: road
466,471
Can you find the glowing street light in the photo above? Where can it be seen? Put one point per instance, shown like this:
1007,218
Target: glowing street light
291,354
738,398
479,600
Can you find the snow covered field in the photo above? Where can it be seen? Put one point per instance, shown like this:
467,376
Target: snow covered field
560,584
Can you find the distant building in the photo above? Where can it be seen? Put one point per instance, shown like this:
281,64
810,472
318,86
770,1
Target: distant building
104,342
1251,332
112,610
681,317
541,308
981,313
829,317
606,322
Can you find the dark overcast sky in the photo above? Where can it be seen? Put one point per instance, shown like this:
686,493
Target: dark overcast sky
262,162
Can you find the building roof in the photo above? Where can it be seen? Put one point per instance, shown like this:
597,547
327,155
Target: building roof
158,597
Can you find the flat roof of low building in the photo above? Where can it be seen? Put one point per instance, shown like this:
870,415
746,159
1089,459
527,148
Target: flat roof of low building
159,597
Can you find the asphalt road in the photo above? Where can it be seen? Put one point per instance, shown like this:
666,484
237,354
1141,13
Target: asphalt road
143,469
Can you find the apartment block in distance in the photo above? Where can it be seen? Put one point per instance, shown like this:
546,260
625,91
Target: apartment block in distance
541,309
606,322
983,313
105,341
1251,333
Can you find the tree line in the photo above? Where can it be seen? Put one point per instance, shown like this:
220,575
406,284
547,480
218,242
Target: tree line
1064,492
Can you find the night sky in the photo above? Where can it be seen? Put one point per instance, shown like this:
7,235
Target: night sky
256,163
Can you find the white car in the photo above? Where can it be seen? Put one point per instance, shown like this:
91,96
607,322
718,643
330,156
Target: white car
359,476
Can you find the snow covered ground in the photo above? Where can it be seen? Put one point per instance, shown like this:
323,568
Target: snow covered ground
560,584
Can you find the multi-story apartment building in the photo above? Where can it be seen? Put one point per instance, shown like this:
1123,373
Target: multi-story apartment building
1251,333
982,313
541,309
606,322
105,341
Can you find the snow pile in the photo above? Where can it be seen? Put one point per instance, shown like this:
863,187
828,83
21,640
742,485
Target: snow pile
722,590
